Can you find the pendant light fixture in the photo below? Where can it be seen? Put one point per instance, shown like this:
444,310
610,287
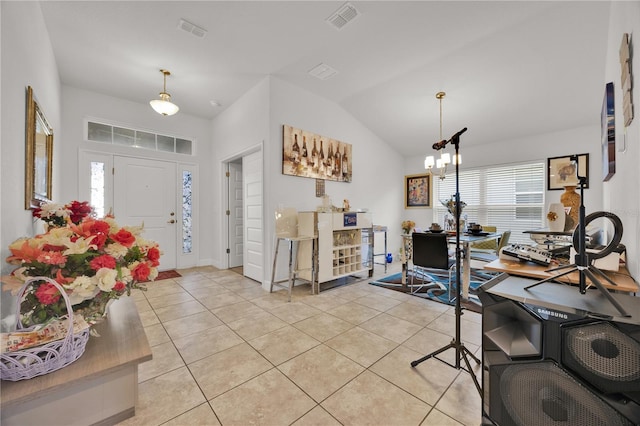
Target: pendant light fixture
164,105
445,158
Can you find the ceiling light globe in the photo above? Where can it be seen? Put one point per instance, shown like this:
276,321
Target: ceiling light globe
164,107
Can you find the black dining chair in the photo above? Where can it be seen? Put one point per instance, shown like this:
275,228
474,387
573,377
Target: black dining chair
431,256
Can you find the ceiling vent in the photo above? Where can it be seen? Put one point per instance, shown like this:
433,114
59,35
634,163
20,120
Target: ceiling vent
192,28
322,72
343,16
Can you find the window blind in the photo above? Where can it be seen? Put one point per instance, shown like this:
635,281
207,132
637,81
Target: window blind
509,197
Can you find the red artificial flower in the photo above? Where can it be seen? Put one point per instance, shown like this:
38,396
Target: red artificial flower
141,272
99,240
153,254
124,237
79,210
36,212
99,227
82,229
103,261
52,258
47,294
119,286
51,247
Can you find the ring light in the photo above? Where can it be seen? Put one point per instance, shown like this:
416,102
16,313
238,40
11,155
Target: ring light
617,235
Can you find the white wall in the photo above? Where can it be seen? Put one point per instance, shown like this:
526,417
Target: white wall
27,60
377,167
621,194
79,105
241,127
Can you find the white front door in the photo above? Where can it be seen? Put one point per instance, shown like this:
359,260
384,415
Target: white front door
253,227
145,193
236,226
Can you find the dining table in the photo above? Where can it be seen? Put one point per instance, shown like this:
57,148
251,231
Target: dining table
466,239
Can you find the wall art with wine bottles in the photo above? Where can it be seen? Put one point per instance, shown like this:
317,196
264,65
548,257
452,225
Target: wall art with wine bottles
314,156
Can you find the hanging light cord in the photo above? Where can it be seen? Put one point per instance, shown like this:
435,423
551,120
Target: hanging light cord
164,86
440,95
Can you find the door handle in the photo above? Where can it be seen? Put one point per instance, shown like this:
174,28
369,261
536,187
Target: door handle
171,221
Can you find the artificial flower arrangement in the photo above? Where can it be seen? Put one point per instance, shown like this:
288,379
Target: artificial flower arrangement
94,260
450,204
407,226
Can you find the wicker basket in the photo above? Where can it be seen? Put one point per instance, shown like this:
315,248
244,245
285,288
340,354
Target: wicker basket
39,360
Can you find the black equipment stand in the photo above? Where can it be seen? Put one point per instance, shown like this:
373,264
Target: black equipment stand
456,343
582,261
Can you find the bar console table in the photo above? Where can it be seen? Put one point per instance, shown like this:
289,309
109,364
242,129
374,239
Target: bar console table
343,246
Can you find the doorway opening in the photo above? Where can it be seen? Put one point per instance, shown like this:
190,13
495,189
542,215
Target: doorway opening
243,206
235,214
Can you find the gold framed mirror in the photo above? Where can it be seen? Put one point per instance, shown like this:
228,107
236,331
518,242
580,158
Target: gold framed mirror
38,155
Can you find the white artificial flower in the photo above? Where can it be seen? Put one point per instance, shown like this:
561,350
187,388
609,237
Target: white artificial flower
135,230
116,250
58,236
113,225
125,275
19,273
105,278
53,209
79,246
82,288
153,274
144,243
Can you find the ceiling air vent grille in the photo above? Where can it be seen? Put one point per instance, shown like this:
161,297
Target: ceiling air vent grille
191,28
343,16
323,71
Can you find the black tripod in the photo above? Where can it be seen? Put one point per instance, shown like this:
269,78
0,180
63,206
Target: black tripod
583,262
456,343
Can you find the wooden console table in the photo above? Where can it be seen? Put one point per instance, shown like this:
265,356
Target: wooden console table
624,281
101,387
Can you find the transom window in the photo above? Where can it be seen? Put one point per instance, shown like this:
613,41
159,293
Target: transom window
106,133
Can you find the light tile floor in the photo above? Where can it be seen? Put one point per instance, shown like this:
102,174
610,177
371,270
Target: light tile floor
227,352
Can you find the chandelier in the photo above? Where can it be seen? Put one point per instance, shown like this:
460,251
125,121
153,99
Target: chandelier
445,158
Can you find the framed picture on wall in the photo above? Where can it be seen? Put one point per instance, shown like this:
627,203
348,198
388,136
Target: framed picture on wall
608,133
417,191
307,154
561,171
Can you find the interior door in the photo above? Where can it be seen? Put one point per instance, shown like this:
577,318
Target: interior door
145,193
253,265
236,223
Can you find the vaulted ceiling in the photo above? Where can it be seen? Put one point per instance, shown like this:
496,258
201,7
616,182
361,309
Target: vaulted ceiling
509,69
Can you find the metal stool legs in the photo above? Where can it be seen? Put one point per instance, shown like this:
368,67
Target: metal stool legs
292,273
293,263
